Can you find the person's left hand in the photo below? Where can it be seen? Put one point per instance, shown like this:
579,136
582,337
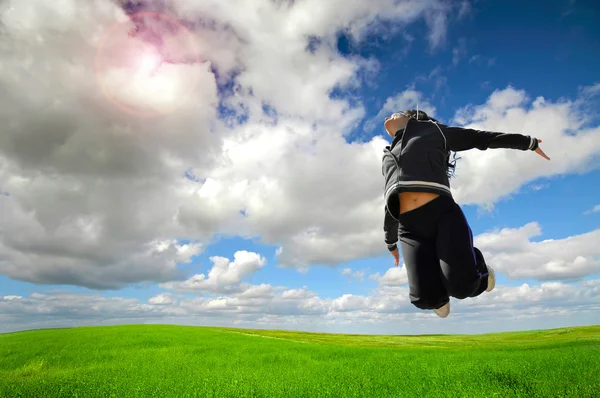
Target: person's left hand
539,151
396,255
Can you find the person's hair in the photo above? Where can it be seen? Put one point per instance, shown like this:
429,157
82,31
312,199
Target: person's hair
420,115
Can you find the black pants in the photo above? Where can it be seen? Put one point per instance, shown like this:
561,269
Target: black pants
441,262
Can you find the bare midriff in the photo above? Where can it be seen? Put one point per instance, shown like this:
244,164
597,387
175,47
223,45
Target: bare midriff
413,200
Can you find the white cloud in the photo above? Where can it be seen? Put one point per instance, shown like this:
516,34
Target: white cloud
297,294
161,299
527,300
595,209
349,302
395,276
386,309
91,192
358,275
263,291
265,55
590,91
511,252
437,24
11,298
291,204
224,276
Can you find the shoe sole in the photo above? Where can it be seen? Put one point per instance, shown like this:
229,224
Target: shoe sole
491,280
441,315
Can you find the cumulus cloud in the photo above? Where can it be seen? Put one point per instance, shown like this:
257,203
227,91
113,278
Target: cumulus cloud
224,276
387,308
307,203
90,191
526,304
512,252
395,276
161,299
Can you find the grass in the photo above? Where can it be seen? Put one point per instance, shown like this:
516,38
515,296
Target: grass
178,361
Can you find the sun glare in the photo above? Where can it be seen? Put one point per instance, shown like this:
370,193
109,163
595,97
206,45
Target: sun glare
148,63
131,71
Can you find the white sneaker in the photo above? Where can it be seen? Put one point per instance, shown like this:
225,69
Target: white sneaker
491,279
443,311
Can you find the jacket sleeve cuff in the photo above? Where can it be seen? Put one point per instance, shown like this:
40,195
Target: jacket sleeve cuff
391,247
533,143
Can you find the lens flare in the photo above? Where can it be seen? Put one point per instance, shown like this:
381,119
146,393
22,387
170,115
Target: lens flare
148,65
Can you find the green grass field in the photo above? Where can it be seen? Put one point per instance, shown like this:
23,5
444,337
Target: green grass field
176,361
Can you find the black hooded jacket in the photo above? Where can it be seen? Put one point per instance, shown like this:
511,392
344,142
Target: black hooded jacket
417,161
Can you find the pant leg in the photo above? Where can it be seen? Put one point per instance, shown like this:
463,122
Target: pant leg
463,267
426,288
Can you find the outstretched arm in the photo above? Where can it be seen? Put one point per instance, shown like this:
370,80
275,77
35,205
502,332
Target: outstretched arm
462,139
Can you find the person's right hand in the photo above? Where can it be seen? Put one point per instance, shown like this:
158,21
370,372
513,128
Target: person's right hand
396,255
539,151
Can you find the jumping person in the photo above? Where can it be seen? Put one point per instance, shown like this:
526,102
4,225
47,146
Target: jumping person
436,239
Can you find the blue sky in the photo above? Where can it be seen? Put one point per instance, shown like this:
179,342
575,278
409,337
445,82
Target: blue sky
502,50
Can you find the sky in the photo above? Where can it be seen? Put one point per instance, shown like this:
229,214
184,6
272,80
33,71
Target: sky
218,163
